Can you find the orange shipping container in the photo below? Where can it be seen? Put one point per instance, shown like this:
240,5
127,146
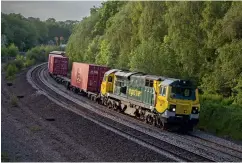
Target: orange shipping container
87,77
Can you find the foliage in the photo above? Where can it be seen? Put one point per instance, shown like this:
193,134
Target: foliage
8,52
40,53
29,62
221,118
238,91
4,52
37,54
11,71
26,33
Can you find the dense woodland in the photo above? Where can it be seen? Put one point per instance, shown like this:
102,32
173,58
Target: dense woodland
29,32
200,41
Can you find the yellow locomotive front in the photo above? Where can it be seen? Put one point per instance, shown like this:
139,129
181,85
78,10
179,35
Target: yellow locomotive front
177,103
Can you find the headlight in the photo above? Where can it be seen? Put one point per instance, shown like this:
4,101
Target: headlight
194,110
172,108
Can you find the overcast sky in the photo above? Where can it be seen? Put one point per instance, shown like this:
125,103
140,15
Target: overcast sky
60,10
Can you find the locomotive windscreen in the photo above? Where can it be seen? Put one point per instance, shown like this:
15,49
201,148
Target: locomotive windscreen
184,93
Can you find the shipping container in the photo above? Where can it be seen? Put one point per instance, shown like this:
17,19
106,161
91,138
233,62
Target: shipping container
58,65
87,77
58,52
49,61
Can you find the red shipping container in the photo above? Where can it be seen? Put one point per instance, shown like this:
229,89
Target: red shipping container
87,77
58,65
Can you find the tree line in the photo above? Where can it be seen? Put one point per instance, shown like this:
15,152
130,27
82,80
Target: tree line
200,41
26,33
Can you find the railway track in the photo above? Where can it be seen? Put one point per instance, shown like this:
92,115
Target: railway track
176,147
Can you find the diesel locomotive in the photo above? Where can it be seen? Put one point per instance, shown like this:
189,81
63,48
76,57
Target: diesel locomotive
161,101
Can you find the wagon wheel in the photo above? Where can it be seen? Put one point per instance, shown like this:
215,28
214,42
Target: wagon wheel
99,101
68,86
122,109
164,126
91,97
158,122
149,119
110,105
76,90
95,99
105,101
115,106
142,115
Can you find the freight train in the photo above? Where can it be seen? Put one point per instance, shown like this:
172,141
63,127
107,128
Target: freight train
164,102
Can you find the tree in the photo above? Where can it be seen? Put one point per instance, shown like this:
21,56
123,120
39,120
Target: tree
26,33
12,50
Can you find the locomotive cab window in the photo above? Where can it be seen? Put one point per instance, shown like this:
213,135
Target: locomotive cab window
149,83
110,79
163,91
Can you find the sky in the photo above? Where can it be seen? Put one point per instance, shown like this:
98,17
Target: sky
60,10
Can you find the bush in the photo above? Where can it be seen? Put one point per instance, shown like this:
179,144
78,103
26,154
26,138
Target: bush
12,50
211,97
29,62
40,53
4,51
11,71
17,63
36,53
220,116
